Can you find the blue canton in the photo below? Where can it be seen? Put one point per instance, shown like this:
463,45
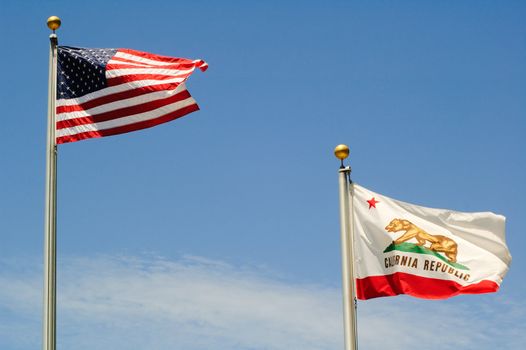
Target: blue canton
81,71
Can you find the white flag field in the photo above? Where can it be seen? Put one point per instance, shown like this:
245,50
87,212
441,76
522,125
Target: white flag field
402,248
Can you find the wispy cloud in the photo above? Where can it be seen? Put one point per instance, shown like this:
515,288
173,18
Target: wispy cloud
195,303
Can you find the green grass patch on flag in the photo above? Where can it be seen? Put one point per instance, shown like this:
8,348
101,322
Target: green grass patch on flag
413,248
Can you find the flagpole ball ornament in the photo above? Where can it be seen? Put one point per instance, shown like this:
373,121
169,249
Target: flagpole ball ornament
341,152
53,23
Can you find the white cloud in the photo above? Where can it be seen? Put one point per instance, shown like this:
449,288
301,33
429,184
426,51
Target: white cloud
195,303
190,304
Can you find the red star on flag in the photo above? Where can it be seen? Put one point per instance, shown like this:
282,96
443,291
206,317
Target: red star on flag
372,203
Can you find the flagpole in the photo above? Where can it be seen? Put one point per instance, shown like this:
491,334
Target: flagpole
50,231
346,229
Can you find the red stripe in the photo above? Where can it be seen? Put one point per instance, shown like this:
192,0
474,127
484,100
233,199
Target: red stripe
123,64
417,286
124,112
123,79
151,56
202,65
116,97
130,127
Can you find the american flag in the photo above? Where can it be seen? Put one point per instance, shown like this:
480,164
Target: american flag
103,92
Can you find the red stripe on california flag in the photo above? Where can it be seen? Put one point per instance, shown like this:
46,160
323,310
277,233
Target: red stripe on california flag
130,127
124,112
417,286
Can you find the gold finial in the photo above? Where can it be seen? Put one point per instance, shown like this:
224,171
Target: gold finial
341,152
53,23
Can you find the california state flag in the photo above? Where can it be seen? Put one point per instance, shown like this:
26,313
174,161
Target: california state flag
401,248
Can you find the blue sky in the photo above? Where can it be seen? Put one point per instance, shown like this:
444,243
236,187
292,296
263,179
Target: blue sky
221,229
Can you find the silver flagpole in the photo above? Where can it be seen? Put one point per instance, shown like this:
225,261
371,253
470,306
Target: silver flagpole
346,228
50,234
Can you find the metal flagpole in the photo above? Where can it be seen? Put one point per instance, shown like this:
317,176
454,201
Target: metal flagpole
50,244
346,229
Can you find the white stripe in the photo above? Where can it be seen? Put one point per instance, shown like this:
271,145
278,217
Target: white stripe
140,59
129,102
115,89
116,61
126,120
134,64
113,73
